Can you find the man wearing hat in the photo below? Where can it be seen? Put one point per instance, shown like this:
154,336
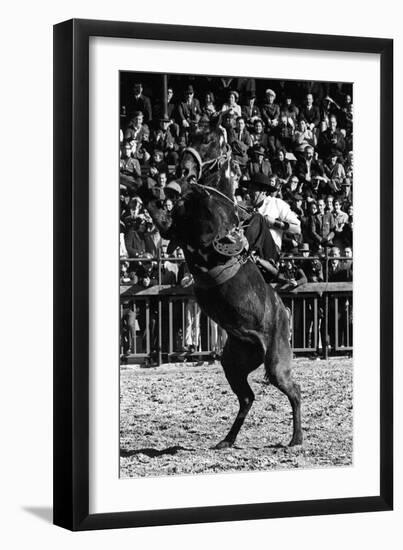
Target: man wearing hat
259,164
250,111
189,110
165,141
277,214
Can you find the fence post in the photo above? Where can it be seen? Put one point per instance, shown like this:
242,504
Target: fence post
324,344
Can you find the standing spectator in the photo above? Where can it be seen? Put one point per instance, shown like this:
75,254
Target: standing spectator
139,102
322,226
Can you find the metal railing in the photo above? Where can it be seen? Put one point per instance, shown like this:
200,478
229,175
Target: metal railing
163,323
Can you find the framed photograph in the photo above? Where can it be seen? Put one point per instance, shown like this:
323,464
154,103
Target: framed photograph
223,318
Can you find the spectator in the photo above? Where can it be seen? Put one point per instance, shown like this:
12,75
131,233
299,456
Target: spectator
259,164
164,140
335,173
137,131
303,137
130,170
259,137
331,141
189,111
310,113
208,107
139,102
251,111
281,167
240,133
270,110
309,170
290,110
322,226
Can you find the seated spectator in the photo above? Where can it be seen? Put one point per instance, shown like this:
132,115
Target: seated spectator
335,173
291,275
165,141
189,111
130,171
339,272
240,153
331,141
157,164
270,110
303,137
310,113
290,110
137,240
258,163
139,102
309,170
250,111
282,135
240,133
312,267
259,137
208,107
229,115
281,167
231,107
137,131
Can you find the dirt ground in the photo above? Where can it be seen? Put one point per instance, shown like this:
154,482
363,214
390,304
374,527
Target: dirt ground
172,415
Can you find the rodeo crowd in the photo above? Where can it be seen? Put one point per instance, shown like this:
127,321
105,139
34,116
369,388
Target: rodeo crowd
298,134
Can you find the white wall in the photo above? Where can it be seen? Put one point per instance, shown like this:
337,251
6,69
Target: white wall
26,145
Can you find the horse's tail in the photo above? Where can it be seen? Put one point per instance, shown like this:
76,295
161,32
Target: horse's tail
249,336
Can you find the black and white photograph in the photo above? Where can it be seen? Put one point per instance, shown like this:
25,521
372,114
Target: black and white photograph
236,274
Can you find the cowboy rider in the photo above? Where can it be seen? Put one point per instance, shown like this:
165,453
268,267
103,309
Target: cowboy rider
273,214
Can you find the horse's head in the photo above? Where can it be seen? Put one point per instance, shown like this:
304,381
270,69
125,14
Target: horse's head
207,161
200,216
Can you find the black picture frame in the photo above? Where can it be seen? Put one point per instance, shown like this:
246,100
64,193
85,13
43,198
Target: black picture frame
71,274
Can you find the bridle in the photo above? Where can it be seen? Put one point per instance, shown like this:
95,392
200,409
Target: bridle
208,165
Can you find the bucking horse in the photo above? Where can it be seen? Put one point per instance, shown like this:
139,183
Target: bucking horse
228,285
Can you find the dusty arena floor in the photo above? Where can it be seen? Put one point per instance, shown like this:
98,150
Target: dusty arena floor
171,416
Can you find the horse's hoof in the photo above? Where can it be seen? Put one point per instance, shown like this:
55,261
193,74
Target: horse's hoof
223,445
295,441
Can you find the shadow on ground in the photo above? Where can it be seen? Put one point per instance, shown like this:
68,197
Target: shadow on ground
153,453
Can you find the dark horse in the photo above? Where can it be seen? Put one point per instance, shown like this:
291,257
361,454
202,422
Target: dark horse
229,287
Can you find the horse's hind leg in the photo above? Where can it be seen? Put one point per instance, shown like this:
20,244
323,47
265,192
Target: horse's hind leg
278,371
238,360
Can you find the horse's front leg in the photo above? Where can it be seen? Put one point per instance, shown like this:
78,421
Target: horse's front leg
238,361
